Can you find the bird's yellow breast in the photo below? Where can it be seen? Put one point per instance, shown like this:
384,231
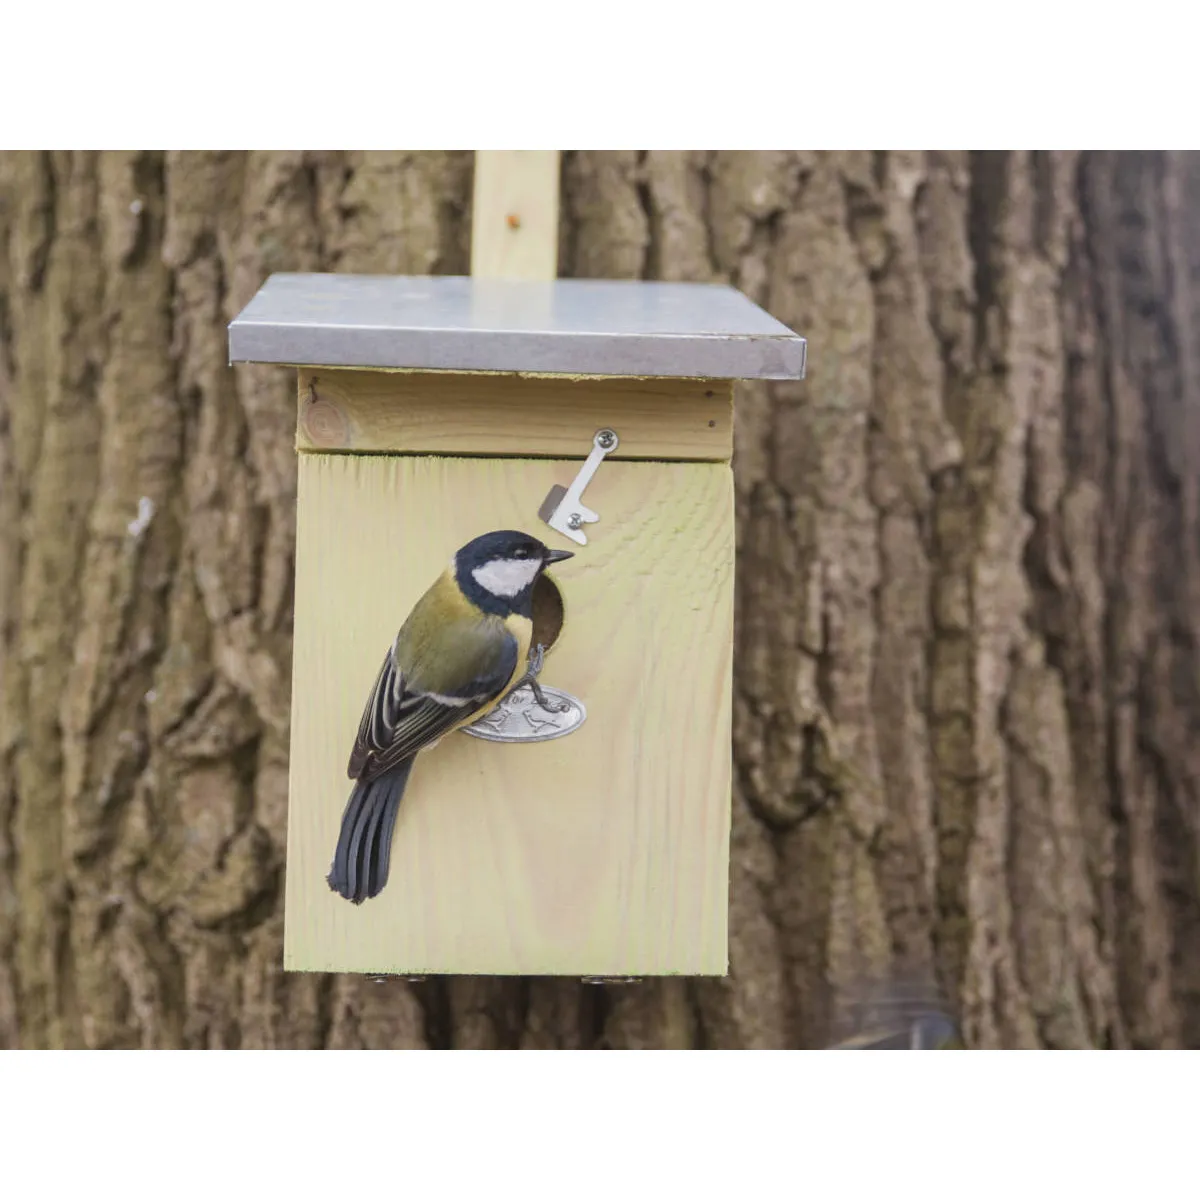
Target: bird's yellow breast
446,639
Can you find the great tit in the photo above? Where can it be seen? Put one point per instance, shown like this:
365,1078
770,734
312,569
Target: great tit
461,649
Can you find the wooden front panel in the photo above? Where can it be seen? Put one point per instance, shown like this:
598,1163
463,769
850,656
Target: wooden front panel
602,853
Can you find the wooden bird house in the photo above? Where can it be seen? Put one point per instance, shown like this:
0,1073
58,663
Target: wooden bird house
429,411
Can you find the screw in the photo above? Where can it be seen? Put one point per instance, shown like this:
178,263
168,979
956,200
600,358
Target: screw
605,439
574,521
513,221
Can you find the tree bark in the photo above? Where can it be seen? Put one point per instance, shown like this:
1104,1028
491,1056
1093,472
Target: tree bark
969,585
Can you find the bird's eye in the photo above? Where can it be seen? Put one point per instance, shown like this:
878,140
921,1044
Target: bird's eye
521,552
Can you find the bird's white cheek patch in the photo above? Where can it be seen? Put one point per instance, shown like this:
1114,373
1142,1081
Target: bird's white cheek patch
507,576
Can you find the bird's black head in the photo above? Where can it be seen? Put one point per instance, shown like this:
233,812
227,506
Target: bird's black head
498,570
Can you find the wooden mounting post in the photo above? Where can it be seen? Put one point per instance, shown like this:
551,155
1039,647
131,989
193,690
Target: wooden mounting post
514,224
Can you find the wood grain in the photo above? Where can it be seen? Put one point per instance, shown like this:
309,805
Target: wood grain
514,219
602,853
453,413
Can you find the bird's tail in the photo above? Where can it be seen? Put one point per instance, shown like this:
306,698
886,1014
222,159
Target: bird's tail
364,849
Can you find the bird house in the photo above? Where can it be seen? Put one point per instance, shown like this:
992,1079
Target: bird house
597,416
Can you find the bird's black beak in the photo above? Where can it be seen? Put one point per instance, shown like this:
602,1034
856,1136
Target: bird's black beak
553,556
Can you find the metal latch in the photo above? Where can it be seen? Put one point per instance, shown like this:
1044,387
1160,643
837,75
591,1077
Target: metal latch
563,509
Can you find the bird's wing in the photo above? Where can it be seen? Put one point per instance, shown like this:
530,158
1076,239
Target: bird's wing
401,717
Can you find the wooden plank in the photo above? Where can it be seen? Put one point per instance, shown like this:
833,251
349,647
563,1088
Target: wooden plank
450,413
514,221
602,853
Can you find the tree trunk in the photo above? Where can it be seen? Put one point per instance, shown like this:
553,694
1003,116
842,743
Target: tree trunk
969,584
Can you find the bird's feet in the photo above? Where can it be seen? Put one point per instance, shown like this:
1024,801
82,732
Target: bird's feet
540,697
536,658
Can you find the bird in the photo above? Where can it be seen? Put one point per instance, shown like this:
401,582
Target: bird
461,649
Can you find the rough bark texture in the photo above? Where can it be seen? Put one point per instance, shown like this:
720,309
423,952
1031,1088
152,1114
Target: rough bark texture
969,586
